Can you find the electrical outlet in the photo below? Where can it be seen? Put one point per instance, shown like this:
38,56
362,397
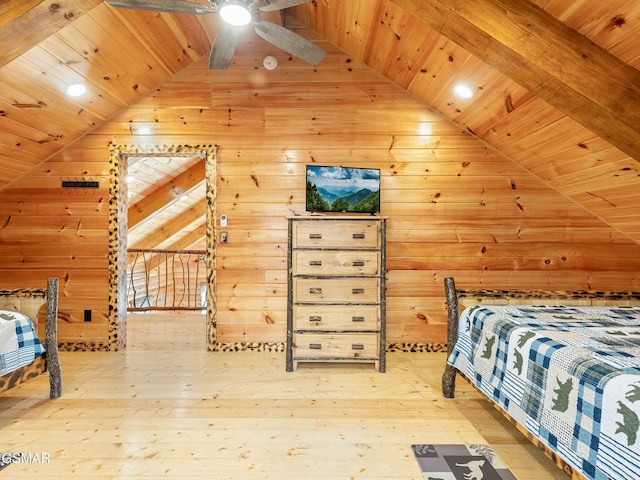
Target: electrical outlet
223,237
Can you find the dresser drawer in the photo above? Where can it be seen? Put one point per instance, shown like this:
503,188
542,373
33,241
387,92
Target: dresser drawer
338,233
338,317
336,262
336,290
346,345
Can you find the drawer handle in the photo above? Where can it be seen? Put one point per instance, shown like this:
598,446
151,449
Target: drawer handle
315,290
315,236
315,263
357,263
357,319
316,319
315,346
358,236
357,346
357,291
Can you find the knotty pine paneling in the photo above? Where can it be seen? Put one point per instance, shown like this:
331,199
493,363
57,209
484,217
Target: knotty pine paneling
511,119
454,206
59,232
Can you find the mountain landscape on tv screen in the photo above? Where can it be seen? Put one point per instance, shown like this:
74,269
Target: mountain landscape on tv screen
337,189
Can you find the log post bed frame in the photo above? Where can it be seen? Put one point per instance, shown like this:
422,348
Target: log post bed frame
29,301
520,297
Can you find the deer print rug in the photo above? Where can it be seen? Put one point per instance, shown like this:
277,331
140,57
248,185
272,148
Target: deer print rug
460,462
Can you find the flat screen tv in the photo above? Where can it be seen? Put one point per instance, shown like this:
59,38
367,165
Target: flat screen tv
343,189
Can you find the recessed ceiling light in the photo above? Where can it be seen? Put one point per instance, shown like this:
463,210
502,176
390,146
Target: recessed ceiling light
235,13
76,90
463,91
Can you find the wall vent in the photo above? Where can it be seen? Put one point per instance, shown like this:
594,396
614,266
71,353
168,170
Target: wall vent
80,184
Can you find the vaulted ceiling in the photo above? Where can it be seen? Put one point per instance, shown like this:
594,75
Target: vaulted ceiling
556,83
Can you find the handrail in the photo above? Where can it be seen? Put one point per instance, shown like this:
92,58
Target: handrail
160,279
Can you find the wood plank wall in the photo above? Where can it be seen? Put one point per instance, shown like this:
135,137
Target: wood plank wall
455,208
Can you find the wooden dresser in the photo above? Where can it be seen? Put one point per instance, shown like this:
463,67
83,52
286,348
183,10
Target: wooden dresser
336,290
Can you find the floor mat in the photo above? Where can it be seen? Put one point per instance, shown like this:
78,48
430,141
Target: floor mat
460,462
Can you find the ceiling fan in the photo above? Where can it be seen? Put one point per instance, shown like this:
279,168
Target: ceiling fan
236,14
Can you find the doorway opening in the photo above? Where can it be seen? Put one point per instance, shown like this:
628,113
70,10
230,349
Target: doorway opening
120,215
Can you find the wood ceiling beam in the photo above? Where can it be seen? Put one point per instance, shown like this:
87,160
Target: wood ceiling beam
542,54
26,23
167,193
189,241
11,10
164,232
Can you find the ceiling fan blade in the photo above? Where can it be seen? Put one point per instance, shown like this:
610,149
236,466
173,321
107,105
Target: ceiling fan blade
290,42
223,48
279,4
167,6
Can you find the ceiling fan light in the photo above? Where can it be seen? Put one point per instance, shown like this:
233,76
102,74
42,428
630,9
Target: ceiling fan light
235,14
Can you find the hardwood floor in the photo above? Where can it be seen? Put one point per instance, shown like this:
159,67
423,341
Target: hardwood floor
165,408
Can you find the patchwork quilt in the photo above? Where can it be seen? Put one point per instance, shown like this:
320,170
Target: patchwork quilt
569,375
19,343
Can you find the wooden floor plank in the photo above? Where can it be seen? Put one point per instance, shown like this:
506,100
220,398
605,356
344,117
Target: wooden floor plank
166,408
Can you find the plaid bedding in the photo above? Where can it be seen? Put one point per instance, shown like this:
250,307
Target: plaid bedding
19,343
569,375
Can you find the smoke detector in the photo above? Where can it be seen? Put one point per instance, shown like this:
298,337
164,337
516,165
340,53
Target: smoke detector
270,62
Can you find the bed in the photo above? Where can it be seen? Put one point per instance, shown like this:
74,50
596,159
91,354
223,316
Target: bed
563,367
23,354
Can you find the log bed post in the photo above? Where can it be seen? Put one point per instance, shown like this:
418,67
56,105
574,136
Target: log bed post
449,375
51,340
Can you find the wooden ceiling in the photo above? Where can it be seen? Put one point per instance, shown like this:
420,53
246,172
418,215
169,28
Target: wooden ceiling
556,86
